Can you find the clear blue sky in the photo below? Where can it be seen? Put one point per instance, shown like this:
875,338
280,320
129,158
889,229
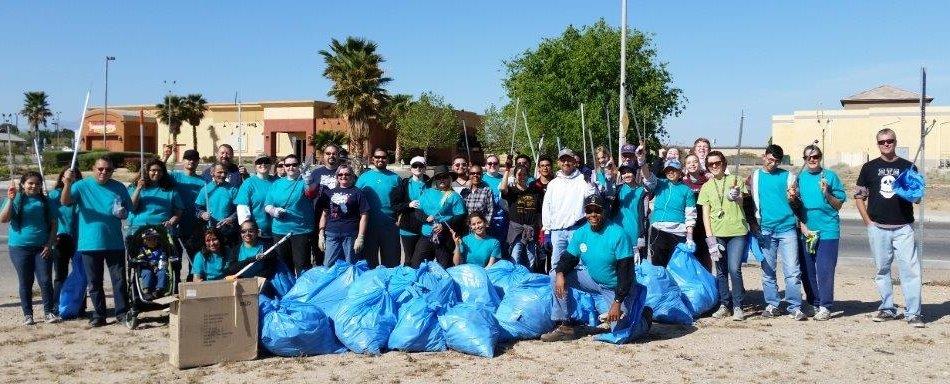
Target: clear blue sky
767,57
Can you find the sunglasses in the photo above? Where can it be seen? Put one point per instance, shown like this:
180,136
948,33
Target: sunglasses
886,141
418,165
492,163
714,164
590,210
291,164
456,165
479,174
104,169
379,157
812,157
344,174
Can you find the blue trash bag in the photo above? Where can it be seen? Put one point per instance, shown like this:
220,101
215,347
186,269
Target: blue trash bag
367,317
292,328
471,329
326,287
417,328
283,279
753,248
697,284
632,325
663,296
72,296
505,275
909,185
401,278
585,310
474,286
525,312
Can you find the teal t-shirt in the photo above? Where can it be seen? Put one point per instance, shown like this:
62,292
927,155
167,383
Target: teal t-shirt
289,195
478,250
774,209
99,230
378,187
493,182
209,268
630,202
670,202
65,215
29,221
156,205
414,191
442,206
599,251
218,200
188,188
252,193
819,215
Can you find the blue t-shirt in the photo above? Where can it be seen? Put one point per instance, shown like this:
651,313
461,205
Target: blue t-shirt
218,200
441,205
252,194
209,268
378,187
774,209
414,191
188,188
298,215
99,230
630,207
493,182
343,207
156,205
246,253
29,221
599,251
65,215
820,216
478,250
670,202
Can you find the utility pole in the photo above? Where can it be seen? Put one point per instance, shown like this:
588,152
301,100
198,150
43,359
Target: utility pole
105,109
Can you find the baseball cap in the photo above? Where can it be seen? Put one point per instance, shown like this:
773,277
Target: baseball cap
191,154
674,164
263,159
565,152
417,159
628,148
149,233
594,199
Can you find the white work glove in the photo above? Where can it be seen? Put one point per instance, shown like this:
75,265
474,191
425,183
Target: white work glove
322,241
274,211
358,244
690,245
414,204
715,249
733,194
118,210
641,242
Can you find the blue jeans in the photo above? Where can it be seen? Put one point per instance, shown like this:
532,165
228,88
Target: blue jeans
29,264
818,272
785,243
561,308
93,262
886,244
339,247
559,240
525,254
154,280
729,267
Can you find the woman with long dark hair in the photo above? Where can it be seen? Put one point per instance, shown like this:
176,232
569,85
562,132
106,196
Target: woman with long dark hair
66,232
212,262
155,201
32,234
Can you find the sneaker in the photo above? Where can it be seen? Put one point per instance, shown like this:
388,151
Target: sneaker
809,310
798,315
51,318
737,314
561,333
771,311
28,320
722,312
822,314
883,315
97,322
916,322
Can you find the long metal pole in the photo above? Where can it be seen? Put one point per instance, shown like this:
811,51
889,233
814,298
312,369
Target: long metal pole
468,150
624,120
6,121
105,109
610,140
738,148
583,134
524,117
923,170
39,160
240,142
514,126
141,141
78,138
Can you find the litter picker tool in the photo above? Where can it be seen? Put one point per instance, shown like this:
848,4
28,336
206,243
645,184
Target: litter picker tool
262,254
468,150
39,160
530,142
583,134
514,126
141,141
735,169
78,138
610,140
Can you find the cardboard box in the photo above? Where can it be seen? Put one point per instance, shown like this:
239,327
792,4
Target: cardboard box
213,322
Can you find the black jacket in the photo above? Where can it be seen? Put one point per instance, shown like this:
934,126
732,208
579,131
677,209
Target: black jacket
406,215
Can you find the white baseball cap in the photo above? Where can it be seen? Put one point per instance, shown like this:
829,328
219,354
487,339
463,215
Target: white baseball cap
417,159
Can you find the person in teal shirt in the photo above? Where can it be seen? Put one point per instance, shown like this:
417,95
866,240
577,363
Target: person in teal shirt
674,212
251,195
101,205
251,250
822,195
290,206
215,204
440,209
188,183
32,233
629,206
493,178
212,262
380,188
599,260
155,201
476,247
66,232
407,204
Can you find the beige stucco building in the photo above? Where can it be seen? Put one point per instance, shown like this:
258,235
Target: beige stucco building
849,133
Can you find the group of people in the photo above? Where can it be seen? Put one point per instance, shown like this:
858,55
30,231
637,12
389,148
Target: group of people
588,226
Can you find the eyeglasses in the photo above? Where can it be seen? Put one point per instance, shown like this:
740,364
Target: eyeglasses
812,157
243,231
886,141
716,164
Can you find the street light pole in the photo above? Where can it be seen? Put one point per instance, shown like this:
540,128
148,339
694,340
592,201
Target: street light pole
105,111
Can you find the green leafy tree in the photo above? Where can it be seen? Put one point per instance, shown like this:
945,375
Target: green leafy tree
428,123
397,106
354,68
583,66
323,138
193,108
171,113
36,110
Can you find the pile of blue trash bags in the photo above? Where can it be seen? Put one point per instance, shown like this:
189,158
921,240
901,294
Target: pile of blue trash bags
467,308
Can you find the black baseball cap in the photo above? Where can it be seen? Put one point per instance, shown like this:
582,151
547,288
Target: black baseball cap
191,154
262,160
594,199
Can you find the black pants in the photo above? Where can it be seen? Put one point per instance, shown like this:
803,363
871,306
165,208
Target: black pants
295,252
427,250
65,248
699,237
409,246
662,245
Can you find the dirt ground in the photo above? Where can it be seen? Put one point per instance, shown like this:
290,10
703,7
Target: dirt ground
849,348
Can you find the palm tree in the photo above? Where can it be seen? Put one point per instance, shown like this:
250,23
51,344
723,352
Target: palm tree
194,107
396,107
36,110
170,112
353,67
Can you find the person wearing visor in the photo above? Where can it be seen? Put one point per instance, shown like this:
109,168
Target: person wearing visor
407,204
251,195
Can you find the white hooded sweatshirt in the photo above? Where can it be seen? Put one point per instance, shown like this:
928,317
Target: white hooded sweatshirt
563,204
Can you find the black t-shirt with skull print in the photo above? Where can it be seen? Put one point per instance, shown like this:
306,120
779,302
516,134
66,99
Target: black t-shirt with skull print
885,207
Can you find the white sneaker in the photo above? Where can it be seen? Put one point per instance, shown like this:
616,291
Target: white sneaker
28,320
798,315
721,313
737,314
822,314
51,318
